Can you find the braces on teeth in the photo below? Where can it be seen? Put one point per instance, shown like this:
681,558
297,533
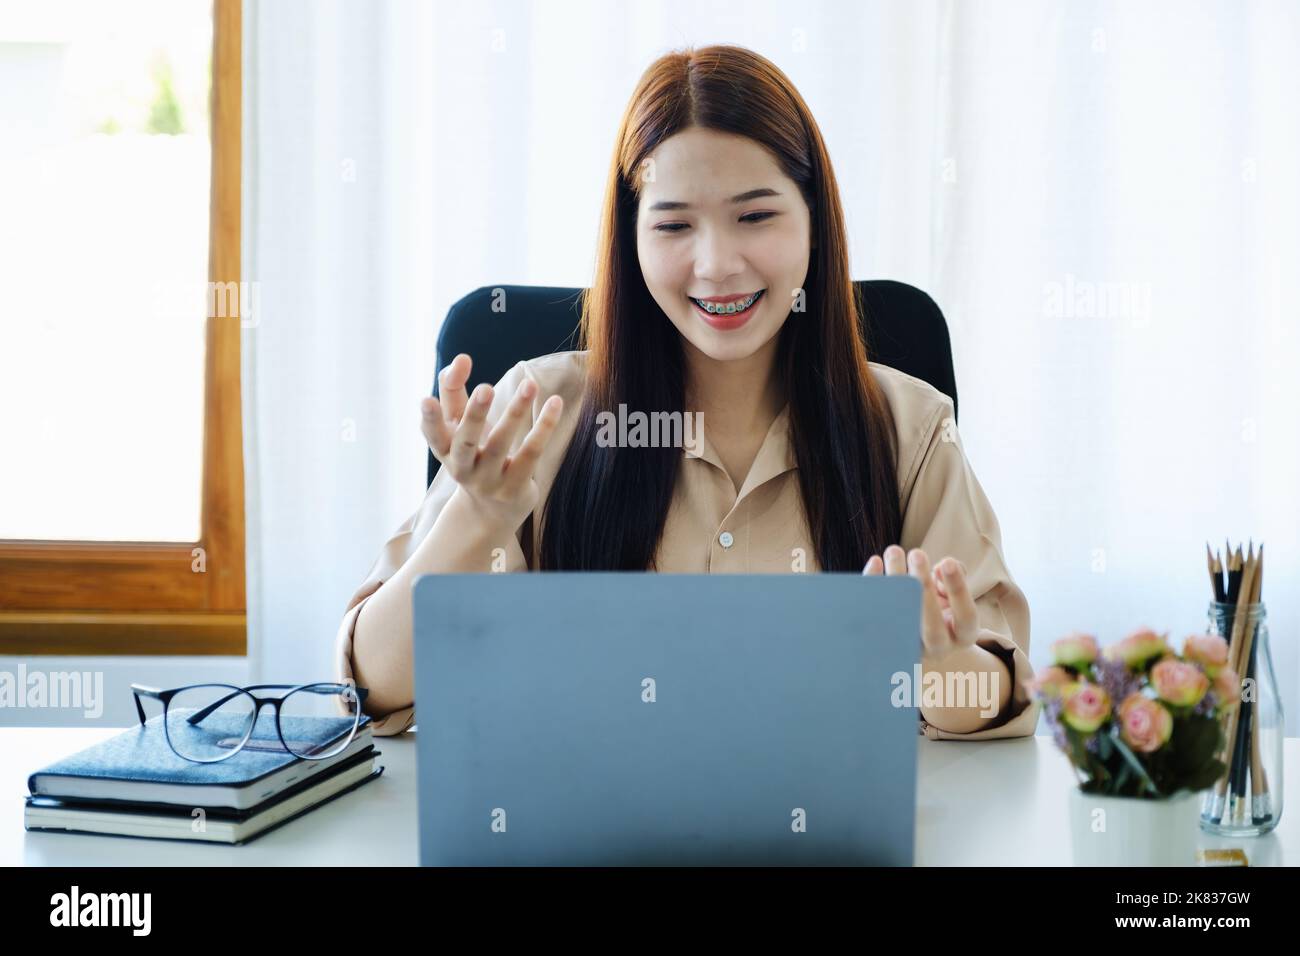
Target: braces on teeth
729,308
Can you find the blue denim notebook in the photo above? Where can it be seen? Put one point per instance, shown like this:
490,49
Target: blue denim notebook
200,824
139,766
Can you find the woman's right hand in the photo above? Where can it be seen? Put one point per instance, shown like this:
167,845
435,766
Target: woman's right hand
501,485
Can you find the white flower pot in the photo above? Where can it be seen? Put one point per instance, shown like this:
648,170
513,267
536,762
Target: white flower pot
1125,831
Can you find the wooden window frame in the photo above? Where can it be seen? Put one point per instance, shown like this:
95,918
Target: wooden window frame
93,598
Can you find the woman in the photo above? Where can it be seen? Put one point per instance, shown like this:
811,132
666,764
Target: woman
723,291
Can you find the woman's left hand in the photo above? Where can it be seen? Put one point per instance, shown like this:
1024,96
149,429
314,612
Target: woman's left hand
949,621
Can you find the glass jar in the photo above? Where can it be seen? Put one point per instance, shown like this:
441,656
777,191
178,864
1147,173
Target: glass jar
1247,800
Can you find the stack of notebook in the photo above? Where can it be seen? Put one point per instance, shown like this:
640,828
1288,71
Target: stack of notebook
135,785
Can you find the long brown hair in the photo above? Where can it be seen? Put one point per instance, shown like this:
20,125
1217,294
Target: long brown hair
608,505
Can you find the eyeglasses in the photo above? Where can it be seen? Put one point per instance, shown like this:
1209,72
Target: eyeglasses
207,723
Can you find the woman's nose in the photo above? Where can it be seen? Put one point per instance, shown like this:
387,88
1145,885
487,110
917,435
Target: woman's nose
716,257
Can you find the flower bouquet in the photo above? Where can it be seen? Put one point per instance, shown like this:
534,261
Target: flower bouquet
1142,727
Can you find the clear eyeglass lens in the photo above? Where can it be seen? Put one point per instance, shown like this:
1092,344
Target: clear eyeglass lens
209,722
318,720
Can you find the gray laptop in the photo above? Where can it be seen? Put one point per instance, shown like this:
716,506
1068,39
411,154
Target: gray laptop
664,719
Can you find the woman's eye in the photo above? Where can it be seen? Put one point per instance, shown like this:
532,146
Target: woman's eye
679,226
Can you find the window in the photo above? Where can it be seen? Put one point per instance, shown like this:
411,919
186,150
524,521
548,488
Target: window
121,479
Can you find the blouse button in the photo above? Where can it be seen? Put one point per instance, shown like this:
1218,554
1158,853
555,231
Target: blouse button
726,540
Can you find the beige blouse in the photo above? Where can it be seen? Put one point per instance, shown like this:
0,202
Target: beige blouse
712,529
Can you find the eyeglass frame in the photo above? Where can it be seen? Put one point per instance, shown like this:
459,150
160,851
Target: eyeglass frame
165,696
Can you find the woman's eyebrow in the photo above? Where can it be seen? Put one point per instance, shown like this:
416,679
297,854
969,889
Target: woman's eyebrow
743,197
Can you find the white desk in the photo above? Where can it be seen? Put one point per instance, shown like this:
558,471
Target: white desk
994,803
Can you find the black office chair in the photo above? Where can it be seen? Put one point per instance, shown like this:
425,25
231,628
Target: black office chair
903,328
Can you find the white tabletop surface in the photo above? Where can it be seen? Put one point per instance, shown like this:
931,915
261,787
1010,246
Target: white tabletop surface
991,803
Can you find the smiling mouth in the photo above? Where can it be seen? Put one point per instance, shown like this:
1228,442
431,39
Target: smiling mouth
735,308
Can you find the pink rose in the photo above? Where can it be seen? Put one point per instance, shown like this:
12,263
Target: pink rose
1139,648
1076,650
1144,724
1085,706
1178,682
1049,682
1208,650
1227,687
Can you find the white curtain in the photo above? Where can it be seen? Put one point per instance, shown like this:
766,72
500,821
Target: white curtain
1101,197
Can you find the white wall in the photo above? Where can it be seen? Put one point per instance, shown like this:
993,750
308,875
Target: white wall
100,693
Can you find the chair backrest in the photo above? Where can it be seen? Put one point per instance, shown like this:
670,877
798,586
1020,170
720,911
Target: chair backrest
902,327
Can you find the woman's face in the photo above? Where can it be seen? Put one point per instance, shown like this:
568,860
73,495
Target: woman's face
701,234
